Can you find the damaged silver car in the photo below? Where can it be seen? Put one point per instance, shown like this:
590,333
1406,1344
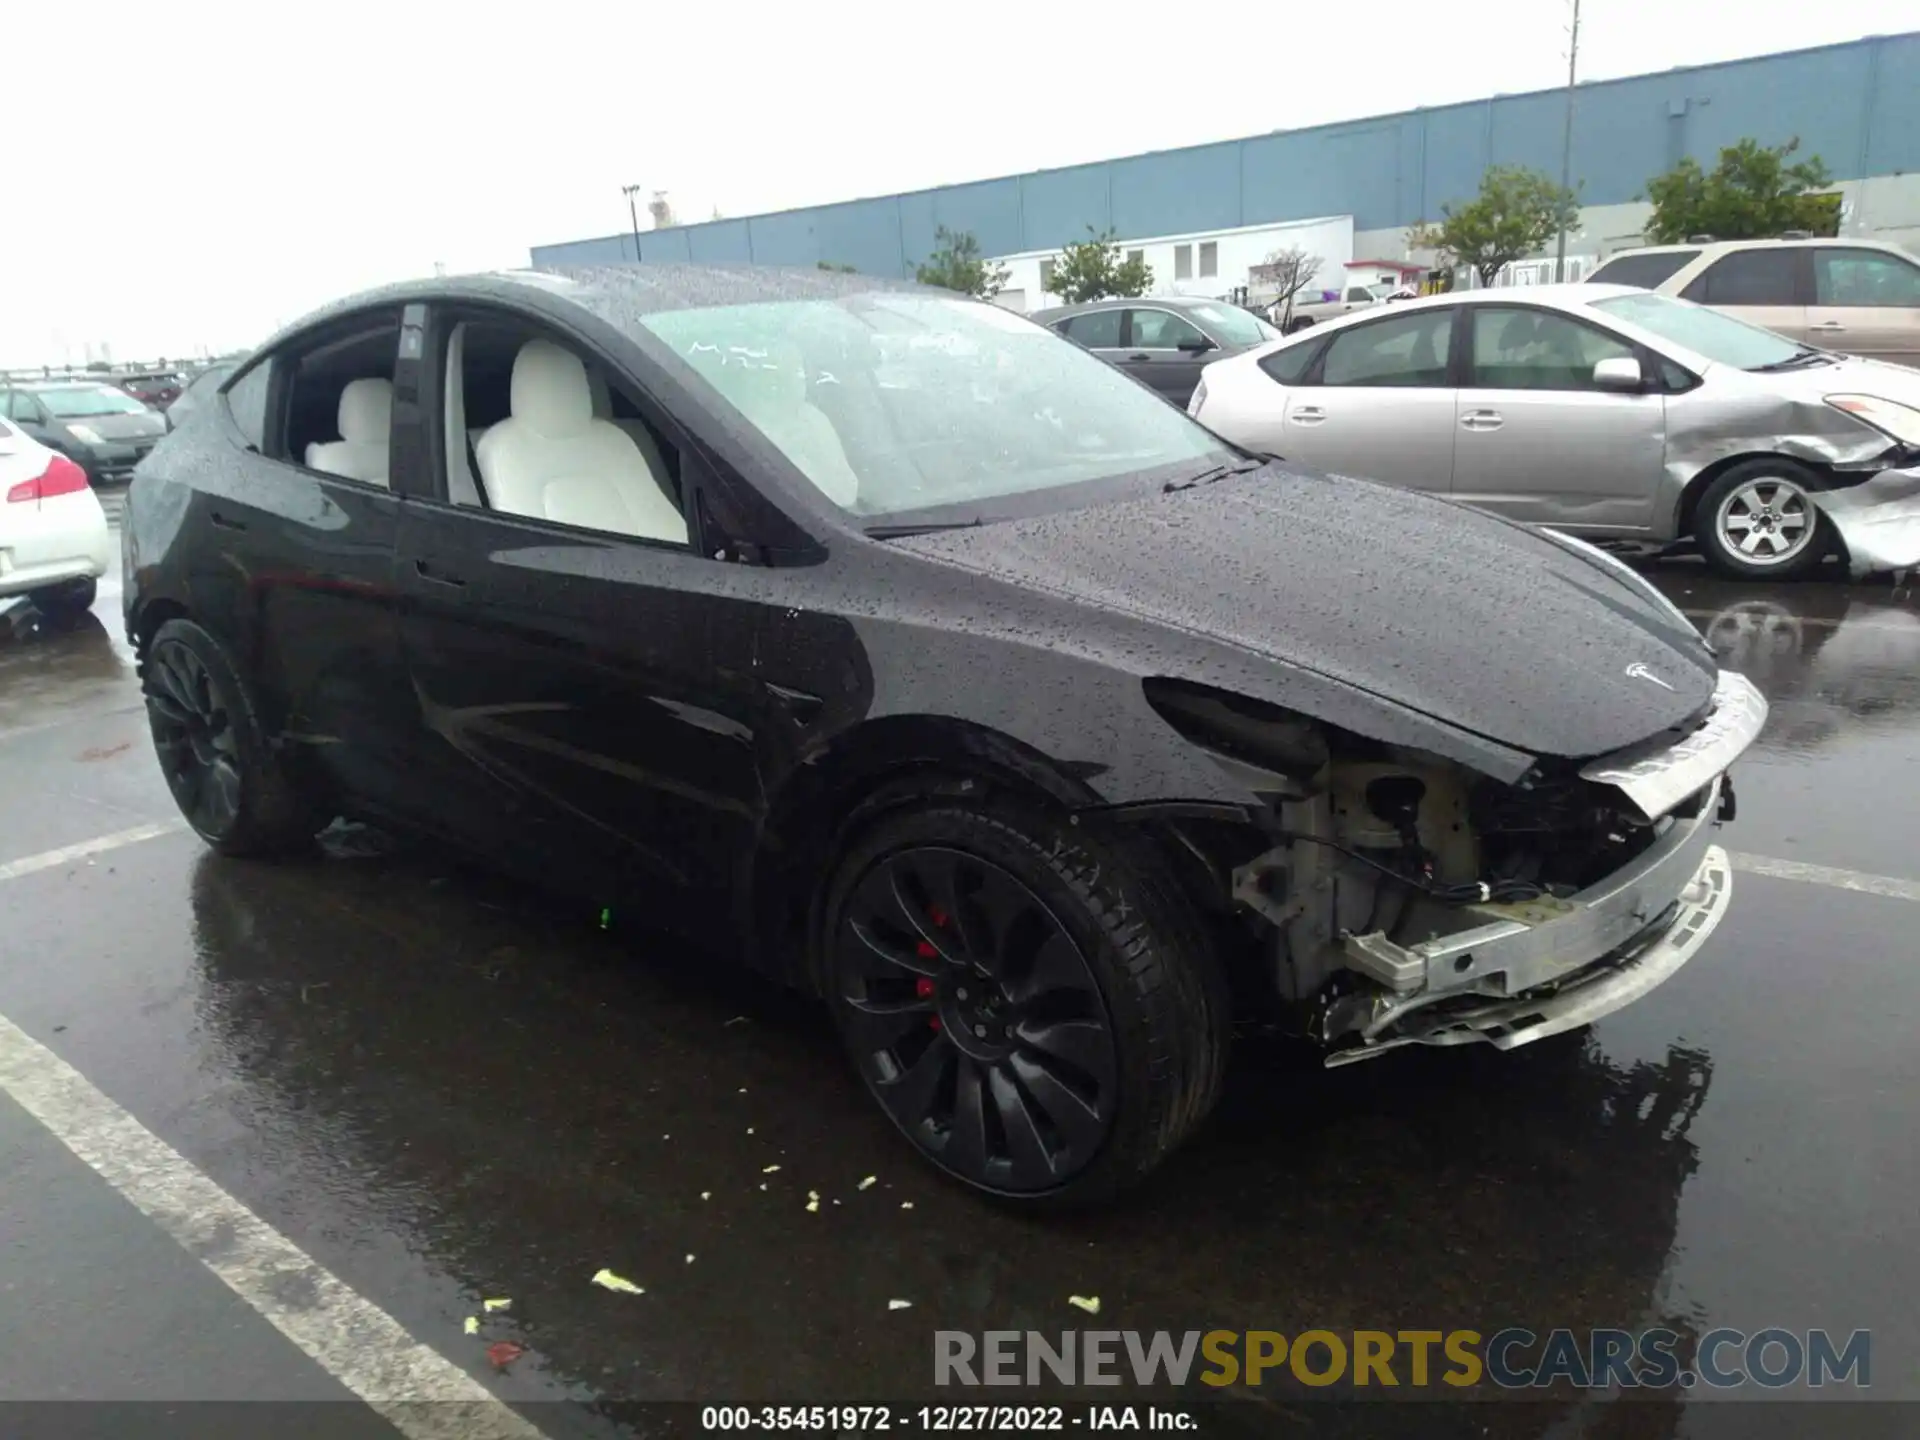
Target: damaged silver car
1604,411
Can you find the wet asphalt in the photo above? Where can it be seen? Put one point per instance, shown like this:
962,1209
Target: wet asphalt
443,1089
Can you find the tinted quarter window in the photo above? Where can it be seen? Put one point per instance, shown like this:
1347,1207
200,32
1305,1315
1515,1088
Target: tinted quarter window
1750,277
247,403
1516,349
1864,277
1097,330
1645,271
1407,350
1289,365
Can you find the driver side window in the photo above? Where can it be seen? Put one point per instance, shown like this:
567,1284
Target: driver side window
1406,350
1161,330
1517,349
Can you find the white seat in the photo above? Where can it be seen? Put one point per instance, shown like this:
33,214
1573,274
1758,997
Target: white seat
771,391
365,419
551,459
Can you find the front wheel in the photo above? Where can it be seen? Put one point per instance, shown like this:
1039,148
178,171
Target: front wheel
1758,521
1037,1010
228,781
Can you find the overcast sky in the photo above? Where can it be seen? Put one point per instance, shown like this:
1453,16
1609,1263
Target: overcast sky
191,173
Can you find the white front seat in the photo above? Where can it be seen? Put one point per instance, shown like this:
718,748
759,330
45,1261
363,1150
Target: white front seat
365,419
552,460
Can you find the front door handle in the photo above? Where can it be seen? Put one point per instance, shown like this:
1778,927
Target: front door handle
1138,358
1482,420
437,577
225,522
1828,327
1308,415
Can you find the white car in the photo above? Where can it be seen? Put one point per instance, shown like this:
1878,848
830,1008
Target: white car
54,544
1602,410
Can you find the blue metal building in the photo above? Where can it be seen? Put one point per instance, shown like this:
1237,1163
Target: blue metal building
1856,106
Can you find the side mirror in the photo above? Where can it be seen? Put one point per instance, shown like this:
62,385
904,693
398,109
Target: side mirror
1198,345
1621,372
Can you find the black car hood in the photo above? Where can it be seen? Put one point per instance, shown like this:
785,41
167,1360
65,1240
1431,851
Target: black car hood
1486,625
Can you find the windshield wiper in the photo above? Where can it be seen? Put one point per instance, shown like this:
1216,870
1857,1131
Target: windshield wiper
1805,356
901,532
1207,477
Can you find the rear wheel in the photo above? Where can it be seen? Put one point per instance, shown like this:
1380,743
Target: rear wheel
225,776
65,602
1758,521
1037,1010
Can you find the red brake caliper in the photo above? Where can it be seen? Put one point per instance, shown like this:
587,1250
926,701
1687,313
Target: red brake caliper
923,987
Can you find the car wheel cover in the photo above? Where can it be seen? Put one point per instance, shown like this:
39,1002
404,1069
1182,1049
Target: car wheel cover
194,737
1765,522
975,1019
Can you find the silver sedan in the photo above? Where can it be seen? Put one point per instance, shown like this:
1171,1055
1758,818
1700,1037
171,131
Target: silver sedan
1602,410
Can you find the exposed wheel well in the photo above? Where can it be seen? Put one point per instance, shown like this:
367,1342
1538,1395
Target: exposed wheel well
150,617
1698,486
881,764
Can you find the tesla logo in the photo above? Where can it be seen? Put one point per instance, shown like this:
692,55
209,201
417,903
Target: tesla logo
1637,671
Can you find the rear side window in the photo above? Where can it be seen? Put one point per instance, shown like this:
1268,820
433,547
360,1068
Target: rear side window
1647,270
1289,365
1097,330
1407,350
1750,277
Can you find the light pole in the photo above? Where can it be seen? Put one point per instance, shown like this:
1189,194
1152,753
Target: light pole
1566,147
633,214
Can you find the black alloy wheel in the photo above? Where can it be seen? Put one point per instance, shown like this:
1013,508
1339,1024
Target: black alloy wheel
1036,1009
193,734
225,777
979,1023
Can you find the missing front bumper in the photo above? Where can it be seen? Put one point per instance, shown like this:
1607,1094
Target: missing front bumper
1579,998
1878,520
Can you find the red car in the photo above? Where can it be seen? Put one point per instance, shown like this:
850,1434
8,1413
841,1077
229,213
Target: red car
158,388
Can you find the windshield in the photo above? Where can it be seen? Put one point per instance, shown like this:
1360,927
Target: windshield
1234,326
92,400
891,403
1706,332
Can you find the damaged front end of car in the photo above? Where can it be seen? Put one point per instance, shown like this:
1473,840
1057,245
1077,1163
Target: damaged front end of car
1395,898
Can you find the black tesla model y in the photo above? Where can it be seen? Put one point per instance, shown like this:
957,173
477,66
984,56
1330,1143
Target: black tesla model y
933,666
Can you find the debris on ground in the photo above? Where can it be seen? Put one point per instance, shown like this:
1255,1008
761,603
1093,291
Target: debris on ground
899,1304
472,1326
813,1207
503,1353
492,1305
689,1259
906,1204
749,1129
1088,1303
706,1194
736,1020
768,1170
763,1184
867,1184
607,1280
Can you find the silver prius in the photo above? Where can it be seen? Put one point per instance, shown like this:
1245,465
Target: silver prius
1602,410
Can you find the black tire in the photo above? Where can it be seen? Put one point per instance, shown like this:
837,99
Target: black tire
1787,531
1305,322
1105,1038
228,781
66,602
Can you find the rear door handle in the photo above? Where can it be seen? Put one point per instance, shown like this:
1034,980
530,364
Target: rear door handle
1482,420
437,577
1828,327
226,522
1308,415
1131,359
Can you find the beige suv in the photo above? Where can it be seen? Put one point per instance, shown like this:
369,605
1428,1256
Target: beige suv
1857,296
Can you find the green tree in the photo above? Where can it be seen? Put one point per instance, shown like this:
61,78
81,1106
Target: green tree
1516,212
1753,193
1092,269
958,265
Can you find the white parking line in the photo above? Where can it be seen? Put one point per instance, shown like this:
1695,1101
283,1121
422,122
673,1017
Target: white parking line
100,844
1858,881
350,1337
